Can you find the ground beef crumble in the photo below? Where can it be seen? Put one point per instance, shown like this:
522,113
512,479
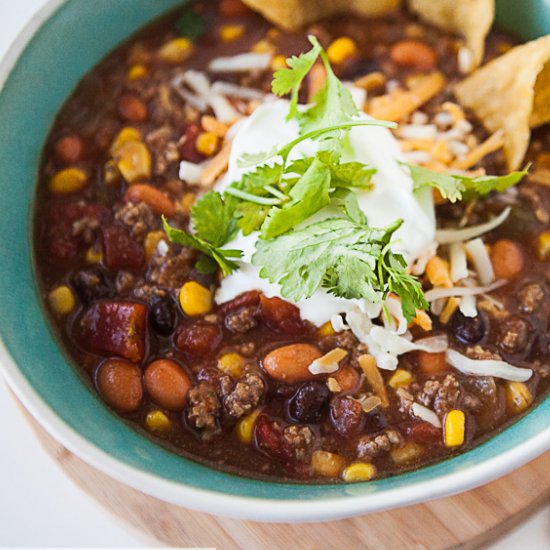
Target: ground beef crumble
369,447
139,218
299,440
243,397
204,408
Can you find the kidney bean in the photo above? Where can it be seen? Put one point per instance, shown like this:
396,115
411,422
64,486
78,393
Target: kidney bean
468,330
507,258
199,339
281,316
114,328
348,379
421,432
187,144
269,439
120,250
167,384
119,383
432,364
309,401
69,149
131,108
290,363
246,299
346,415
159,202
413,53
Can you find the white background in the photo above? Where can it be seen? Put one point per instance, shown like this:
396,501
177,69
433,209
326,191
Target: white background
40,506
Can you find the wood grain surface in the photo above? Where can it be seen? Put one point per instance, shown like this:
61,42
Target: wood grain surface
469,520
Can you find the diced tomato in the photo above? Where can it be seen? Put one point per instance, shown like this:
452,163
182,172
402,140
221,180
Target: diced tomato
421,432
114,328
269,438
281,316
246,299
199,339
120,250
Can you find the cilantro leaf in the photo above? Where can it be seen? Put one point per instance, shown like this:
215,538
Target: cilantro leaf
456,188
346,200
224,258
309,194
191,25
350,260
290,79
213,219
251,216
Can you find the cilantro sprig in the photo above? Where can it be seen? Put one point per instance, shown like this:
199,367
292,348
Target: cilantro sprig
461,188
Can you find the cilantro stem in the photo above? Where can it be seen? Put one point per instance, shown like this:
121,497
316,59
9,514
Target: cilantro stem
274,191
285,150
252,198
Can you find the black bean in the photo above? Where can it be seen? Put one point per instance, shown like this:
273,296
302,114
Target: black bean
468,330
163,315
308,402
375,422
92,285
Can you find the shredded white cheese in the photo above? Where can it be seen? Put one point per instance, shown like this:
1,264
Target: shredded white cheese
487,367
480,258
328,363
437,293
448,236
190,172
240,63
459,264
426,414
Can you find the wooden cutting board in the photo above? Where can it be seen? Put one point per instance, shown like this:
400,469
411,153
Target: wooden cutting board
469,520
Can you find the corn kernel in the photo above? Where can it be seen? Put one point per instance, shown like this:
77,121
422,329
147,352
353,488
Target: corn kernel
126,135
62,300
136,72
93,255
111,175
455,427
326,329
341,49
157,421
69,180
360,471
400,377
518,397
207,143
543,246
327,464
134,161
245,427
232,363
195,299
228,33
410,452
151,242
263,46
279,62
187,201
176,51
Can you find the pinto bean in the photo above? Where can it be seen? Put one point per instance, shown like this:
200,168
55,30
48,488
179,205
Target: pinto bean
167,384
432,364
69,149
119,383
413,53
131,108
290,363
158,201
507,258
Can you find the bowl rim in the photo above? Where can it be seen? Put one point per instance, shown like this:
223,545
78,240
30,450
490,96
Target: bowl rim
224,504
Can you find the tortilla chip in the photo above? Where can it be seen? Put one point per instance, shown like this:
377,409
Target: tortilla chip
470,18
512,94
292,15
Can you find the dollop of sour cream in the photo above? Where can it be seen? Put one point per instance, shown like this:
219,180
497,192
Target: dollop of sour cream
391,198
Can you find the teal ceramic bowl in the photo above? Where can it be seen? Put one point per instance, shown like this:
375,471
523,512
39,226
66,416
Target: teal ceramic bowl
56,49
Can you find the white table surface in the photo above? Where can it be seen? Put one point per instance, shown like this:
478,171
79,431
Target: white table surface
40,506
